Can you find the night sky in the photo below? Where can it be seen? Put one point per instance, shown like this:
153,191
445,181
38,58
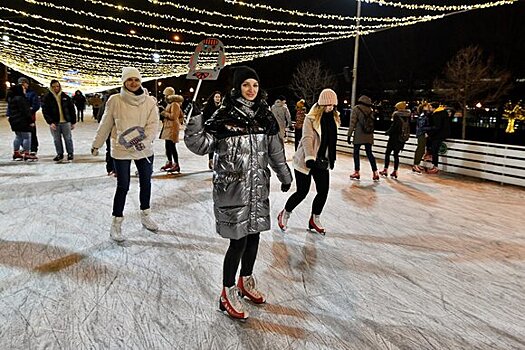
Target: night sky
402,59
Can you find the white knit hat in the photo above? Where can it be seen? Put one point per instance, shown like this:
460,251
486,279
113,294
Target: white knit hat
328,97
130,72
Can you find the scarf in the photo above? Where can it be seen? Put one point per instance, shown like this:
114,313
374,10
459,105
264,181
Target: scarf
328,138
133,98
246,106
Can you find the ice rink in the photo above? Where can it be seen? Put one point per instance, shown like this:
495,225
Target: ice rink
421,262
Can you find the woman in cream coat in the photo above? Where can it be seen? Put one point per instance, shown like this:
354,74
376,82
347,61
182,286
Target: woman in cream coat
131,110
314,157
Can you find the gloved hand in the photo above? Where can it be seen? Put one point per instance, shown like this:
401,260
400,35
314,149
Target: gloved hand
140,146
285,187
310,164
195,111
94,151
349,140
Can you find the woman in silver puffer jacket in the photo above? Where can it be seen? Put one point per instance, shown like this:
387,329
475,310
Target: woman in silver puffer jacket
244,138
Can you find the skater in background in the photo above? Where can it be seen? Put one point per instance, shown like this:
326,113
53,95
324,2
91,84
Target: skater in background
244,136
21,121
282,114
212,104
362,129
396,143
300,113
59,113
171,121
314,158
422,128
131,109
80,103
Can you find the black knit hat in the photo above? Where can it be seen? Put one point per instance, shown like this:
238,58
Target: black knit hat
240,74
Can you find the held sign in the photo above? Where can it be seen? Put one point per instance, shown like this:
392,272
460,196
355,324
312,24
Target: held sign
207,46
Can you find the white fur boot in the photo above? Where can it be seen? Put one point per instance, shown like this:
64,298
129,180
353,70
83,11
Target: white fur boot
147,221
116,229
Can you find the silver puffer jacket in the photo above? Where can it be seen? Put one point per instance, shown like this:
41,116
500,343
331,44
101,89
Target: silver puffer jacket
243,146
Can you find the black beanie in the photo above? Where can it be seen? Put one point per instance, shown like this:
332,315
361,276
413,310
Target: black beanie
240,74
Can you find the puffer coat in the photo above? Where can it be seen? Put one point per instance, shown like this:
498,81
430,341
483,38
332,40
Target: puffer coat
242,147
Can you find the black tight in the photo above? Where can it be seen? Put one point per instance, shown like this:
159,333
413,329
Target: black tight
303,181
171,151
242,250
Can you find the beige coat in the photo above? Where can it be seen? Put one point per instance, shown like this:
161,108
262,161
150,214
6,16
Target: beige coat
310,142
171,123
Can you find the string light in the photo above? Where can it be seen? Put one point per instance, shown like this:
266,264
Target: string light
96,64
380,2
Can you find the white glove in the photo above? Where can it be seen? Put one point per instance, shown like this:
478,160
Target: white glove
94,151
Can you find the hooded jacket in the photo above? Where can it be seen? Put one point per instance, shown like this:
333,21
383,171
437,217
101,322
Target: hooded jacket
282,115
243,146
359,113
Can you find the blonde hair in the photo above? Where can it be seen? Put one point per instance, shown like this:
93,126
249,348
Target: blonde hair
317,112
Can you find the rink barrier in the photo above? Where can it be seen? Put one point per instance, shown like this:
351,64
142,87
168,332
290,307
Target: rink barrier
3,108
490,161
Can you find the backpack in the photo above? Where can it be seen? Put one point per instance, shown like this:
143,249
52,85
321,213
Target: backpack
368,122
405,131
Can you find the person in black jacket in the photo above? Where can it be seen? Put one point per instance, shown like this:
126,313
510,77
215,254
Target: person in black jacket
59,113
439,131
212,104
21,122
80,103
395,144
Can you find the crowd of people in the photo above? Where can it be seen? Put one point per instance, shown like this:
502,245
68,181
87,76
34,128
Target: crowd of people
241,135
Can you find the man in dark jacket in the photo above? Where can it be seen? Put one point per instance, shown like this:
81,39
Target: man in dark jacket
34,105
59,112
21,123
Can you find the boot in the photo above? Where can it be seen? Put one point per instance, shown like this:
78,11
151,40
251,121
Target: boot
17,155
394,174
147,221
231,303
58,158
30,157
166,166
315,224
355,175
433,170
175,168
416,169
375,176
282,219
116,229
247,287
384,172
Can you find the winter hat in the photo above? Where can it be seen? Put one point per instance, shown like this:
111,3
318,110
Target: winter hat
168,91
282,98
327,97
299,104
240,74
130,72
23,80
365,100
401,105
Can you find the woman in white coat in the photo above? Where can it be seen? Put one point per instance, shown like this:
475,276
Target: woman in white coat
132,120
314,158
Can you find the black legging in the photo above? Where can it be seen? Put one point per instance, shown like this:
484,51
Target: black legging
435,145
389,150
298,136
303,181
171,151
244,249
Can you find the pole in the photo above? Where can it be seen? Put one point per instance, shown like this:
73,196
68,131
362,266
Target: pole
356,55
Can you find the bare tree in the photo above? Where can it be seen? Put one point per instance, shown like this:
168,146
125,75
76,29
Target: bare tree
469,77
310,78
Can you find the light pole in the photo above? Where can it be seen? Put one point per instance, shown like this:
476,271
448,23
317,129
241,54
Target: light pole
356,55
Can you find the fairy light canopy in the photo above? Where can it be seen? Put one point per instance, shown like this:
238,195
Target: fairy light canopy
85,43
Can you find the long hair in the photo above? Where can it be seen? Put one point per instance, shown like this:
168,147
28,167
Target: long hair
317,112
